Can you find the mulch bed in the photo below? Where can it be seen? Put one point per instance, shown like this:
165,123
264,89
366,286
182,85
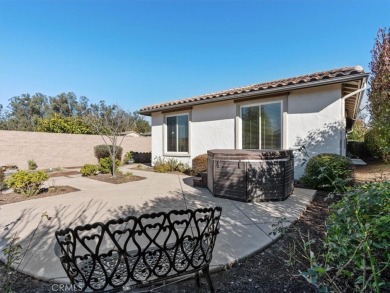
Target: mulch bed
266,271
118,179
6,198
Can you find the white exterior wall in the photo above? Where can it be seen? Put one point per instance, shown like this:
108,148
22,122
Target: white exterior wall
157,135
215,125
314,119
211,126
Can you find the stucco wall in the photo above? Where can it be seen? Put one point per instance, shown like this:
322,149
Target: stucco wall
211,127
313,119
51,150
216,126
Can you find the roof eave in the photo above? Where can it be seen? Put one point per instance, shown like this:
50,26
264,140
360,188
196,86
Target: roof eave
260,92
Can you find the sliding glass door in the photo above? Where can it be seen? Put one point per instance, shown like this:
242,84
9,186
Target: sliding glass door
262,126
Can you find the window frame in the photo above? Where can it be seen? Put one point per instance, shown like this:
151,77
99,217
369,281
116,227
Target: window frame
259,104
177,153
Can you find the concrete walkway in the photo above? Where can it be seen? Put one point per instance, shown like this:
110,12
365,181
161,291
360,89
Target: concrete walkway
244,226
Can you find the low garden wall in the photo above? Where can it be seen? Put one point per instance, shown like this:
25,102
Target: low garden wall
52,150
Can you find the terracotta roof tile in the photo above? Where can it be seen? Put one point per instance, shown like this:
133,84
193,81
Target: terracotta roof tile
317,76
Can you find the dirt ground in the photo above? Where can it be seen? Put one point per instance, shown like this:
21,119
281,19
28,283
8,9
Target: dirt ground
118,179
6,198
373,171
63,173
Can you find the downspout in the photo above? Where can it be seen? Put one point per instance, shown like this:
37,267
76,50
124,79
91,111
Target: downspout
343,110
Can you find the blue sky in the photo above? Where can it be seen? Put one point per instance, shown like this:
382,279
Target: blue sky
136,53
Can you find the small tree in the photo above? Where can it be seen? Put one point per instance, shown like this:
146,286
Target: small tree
379,93
109,122
358,131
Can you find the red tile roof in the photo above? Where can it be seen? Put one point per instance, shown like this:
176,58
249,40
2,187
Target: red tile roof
303,79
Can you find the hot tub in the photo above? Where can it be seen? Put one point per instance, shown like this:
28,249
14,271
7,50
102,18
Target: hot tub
251,175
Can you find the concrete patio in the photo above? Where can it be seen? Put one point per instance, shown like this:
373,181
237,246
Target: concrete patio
244,226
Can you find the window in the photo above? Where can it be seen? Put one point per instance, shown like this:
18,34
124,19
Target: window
177,134
262,126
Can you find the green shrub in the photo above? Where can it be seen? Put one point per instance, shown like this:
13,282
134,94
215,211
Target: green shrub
162,165
329,172
2,175
128,156
59,124
370,141
183,168
378,144
105,165
89,170
358,236
199,164
103,151
32,165
3,185
27,183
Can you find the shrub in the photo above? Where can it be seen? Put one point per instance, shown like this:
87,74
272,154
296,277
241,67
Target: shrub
3,185
103,151
27,183
32,165
59,124
89,170
329,172
377,143
199,164
128,156
161,165
105,165
358,235
371,143
184,168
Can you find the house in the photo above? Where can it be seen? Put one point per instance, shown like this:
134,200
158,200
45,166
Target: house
130,133
315,110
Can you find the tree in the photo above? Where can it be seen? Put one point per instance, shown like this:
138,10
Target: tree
3,122
64,104
140,125
59,124
63,113
24,110
358,132
379,93
109,122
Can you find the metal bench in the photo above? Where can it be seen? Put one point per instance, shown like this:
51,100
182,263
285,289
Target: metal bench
126,253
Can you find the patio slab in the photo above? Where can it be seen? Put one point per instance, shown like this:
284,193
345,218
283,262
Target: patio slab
244,228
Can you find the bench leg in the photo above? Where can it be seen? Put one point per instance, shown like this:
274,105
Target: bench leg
197,279
206,272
